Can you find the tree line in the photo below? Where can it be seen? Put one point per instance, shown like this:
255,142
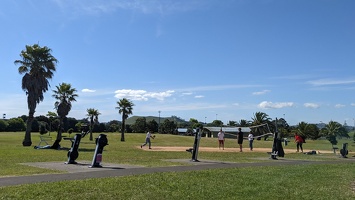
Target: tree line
50,123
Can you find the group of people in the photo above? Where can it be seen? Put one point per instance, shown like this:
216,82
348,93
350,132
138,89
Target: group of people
240,138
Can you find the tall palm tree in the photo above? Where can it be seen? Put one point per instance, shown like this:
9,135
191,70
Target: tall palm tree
65,95
37,65
125,107
94,118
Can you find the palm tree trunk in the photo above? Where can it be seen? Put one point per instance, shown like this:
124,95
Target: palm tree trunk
56,144
122,130
91,127
27,140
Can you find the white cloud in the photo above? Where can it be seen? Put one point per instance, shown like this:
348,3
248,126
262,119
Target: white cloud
88,90
142,95
352,104
261,92
199,96
339,106
186,93
311,105
267,105
322,82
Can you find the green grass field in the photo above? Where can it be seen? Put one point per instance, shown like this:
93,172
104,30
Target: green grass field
325,181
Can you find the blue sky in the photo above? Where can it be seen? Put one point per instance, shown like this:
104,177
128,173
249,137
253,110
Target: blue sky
201,59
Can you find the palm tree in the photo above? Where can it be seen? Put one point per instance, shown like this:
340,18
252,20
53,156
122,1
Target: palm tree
37,65
125,107
259,119
94,118
243,123
302,128
331,131
64,94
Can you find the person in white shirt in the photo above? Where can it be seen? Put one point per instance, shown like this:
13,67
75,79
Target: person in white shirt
251,140
221,139
147,140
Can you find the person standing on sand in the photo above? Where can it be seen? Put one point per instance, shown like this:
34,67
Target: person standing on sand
147,140
299,141
251,140
240,139
221,139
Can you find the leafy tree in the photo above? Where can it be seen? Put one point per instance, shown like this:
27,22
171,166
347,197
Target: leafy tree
184,124
128,128
153,125
37,65
35,125
64,95
194,123
42,127
16,124
282,127
51,116
93,114
3,125
313,132
217,122
101,127
70,124
140,125
125,107
113,126
24,118
168,126
55,124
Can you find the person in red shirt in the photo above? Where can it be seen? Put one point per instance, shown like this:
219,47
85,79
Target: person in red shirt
299,141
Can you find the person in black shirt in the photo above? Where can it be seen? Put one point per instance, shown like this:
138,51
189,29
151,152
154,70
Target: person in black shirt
240,139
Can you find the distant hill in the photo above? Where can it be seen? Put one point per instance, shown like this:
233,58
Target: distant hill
132,120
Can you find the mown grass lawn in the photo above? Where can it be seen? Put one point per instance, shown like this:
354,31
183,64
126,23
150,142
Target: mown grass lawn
332,181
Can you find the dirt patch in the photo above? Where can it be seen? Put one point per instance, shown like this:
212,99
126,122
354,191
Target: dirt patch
212,149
